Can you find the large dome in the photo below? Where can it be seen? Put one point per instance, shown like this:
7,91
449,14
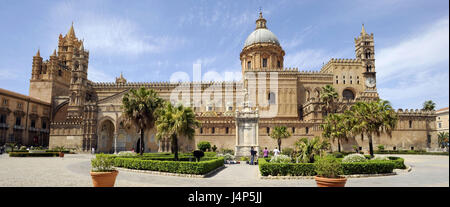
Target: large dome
261,35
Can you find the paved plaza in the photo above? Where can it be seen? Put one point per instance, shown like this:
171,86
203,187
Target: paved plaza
73,170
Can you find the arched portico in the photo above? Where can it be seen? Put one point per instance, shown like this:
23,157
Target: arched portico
105,141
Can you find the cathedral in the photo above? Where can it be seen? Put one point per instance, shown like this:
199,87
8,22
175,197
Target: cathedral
86,114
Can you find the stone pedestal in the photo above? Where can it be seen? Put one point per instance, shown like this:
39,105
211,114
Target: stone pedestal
246,132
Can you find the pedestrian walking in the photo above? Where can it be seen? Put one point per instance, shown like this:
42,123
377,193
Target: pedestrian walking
276,152
266,153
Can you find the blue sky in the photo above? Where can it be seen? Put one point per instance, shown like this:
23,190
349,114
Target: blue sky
151,40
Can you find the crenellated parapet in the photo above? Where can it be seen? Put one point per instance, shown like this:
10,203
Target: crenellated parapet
327,68
415,112
161,84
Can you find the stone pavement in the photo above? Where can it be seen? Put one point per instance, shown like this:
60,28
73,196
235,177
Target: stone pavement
73,170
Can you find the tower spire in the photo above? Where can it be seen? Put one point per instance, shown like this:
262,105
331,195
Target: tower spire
363,31
38,54
71,32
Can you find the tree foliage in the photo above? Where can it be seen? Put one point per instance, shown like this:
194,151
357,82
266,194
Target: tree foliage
429,105
329,96
372,118
278,133
307,149
174,121
139,107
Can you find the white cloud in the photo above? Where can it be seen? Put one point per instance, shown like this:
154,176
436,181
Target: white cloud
112,35
411,93
98,75
6,74
420,51
308,59
416,69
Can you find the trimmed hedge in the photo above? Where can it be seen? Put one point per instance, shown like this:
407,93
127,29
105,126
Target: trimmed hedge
370,167
182,167
283,169
27,154
64,151
409,152
399,163
307,169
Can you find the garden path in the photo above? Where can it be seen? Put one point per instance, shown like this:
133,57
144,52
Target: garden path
73,170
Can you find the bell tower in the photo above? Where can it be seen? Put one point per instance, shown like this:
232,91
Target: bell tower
365,51
78,81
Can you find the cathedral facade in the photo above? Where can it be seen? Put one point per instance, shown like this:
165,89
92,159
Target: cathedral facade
87,114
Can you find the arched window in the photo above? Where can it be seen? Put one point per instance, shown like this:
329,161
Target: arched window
348,94
264,62
410,124
213,130
307,130
268,130
271,98
226,130
249,65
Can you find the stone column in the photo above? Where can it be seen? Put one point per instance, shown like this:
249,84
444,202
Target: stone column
115,143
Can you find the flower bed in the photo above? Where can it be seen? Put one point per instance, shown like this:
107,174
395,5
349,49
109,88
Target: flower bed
40,154
182,167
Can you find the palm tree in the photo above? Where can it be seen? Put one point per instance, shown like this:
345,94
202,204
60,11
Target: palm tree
307,149
278,133
336,127
372,117
328,95
174,121
139,107
443,139
429,105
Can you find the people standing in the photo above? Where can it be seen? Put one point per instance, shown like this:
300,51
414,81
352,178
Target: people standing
276,151
266,152
252,153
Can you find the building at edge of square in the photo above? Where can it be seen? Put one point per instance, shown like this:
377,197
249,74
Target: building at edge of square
87,114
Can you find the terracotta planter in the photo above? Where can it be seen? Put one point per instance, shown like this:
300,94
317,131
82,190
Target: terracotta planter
104,179
330,182
61,154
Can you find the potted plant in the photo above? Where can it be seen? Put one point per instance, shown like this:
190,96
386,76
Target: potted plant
328,171
60,151
103,172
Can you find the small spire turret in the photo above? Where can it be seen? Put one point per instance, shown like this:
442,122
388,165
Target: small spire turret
261,22
71,32
363,31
